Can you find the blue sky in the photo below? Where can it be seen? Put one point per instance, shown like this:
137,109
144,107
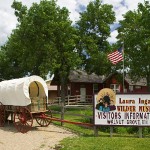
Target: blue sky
8,20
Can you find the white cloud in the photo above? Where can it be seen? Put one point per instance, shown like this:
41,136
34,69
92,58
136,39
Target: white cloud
8,20
112,38
28,3
83,2
122,6
71,6
134,4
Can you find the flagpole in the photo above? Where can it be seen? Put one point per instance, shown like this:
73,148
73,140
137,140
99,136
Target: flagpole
123,67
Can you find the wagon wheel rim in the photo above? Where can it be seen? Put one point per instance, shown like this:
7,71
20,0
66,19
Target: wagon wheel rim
44,119
2,115
23,120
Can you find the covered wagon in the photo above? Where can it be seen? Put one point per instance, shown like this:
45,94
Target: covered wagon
22,100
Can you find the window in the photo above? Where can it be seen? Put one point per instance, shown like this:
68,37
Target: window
131,88
95,88
115,87
138,87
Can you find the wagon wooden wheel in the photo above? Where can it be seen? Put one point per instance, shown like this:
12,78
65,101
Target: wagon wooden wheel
2,115
44,119
23,119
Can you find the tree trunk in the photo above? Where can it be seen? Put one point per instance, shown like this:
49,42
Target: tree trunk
62,98
148,83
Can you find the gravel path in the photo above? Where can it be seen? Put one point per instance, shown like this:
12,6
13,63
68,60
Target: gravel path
39,138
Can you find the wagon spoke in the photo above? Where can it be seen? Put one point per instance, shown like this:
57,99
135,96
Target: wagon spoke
20,127
44,121
23,128
23,120
39,121
28,124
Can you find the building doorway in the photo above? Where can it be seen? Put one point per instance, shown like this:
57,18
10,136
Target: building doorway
83,94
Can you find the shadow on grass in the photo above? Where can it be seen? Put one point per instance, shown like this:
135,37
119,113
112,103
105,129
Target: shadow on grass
86,132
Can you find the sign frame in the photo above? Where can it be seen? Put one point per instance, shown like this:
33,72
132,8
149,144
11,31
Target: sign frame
131,117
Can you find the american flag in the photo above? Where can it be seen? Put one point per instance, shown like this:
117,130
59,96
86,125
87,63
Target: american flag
116,56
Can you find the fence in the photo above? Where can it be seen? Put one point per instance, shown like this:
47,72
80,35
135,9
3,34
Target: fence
74,100
79,112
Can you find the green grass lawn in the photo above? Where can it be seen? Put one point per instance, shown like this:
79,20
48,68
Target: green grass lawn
105,143
85,140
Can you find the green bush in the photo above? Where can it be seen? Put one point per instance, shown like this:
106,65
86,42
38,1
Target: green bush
105,129
122,130
132,130
146,130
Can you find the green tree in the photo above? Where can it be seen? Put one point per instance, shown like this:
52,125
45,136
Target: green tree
47,37
135,32
94,29
11,58
44,41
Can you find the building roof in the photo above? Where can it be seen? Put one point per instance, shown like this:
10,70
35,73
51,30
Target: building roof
82,76
140,82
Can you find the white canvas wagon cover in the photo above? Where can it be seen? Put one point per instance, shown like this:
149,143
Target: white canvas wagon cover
18,92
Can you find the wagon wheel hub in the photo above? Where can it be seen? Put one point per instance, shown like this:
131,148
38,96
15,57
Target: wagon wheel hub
44,119
23,120
43,116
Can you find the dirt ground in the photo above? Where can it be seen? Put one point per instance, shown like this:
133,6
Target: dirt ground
39,138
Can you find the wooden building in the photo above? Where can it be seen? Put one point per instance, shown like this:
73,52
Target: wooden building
84,85
52,90
81,84
115,82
